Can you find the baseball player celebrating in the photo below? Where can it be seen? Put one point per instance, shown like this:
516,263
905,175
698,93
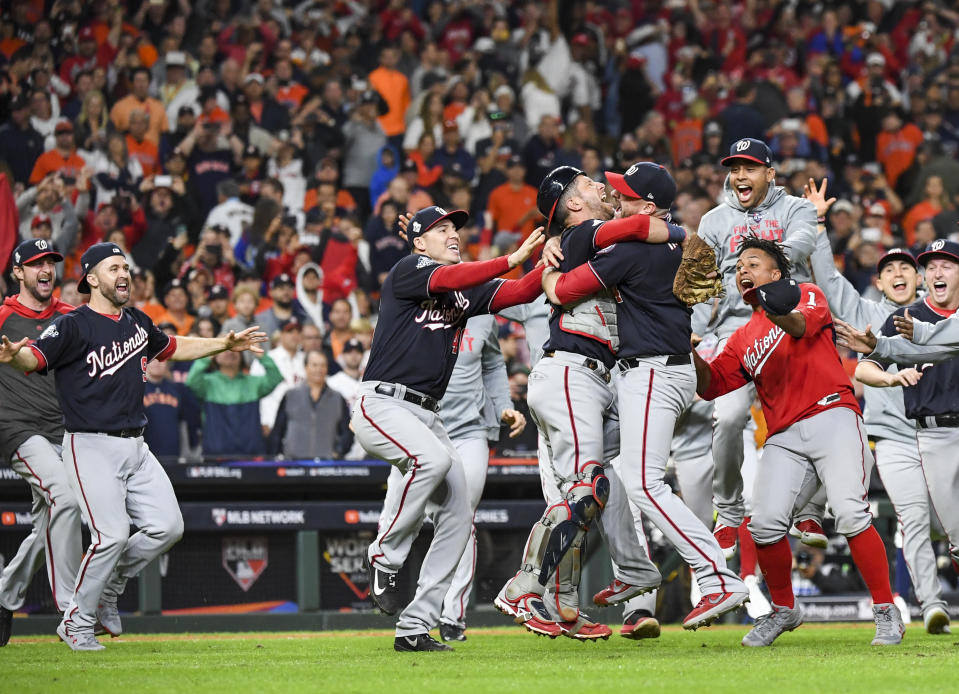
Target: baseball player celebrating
753,206
573,406
929,375
656,380
426,300
99,353
897,455
816,433
476,401
31,432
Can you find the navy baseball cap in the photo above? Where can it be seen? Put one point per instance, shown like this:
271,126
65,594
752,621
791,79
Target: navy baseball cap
34,249
429,217
647,181
353,345
896,254
218,291
92,257
280,280
940,249
751,149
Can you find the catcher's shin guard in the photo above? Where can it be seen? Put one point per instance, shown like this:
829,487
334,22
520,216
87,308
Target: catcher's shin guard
562,526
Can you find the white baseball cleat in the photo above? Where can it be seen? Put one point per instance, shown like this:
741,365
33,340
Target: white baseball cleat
936,621
889,626
108,616
79,640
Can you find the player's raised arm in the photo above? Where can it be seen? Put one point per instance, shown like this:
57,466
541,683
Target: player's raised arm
14,354
190,347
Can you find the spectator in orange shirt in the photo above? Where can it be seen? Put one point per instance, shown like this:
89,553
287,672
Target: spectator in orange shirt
176,304
140,100
62,158
512,205
289,92
934,200
395,90
139,147
896,145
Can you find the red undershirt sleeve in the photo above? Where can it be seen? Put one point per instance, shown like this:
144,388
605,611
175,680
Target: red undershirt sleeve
635,228
577,284
515,292
168,350
448,278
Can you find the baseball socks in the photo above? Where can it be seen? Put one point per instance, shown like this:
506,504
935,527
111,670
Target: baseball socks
747,551
776,562
869,554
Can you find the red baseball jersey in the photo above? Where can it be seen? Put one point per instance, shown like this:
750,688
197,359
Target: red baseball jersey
795,378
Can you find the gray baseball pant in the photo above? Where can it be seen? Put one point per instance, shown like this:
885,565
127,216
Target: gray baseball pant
55,536
651,398
830,448
901,473
117,481
730,416
474,452
693,459
937,454
413,439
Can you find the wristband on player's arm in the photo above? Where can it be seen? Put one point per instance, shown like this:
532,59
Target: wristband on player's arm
635,228
448,278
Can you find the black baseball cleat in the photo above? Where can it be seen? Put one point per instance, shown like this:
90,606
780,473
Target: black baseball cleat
418,642
6,625
383,590
451,632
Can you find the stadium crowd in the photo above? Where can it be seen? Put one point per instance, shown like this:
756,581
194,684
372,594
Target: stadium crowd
253,157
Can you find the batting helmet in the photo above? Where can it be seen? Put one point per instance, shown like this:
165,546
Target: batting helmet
552,189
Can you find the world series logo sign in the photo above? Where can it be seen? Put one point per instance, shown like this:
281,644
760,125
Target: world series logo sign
245,559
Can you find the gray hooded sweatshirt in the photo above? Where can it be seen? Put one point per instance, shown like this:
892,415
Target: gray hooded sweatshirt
779,217
885,413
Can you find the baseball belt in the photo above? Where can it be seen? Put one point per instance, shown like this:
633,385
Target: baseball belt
120,433
940,420
671,360
425,401
589,363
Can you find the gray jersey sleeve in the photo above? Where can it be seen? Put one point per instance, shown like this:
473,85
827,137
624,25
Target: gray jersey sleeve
944,333
900,350
800,231
495,379
844,301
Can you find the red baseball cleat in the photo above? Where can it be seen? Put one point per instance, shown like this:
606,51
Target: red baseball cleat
617,592
810,532
727,537
711,607
585,629
639,624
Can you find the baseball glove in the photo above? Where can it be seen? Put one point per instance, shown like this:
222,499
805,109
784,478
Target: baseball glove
697,279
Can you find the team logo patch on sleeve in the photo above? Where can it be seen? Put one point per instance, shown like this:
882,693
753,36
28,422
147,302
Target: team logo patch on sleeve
424,261
51,331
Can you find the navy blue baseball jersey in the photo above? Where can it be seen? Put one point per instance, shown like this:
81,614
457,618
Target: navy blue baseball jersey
578,244
938,390
99,364
418,333
651,320
167,404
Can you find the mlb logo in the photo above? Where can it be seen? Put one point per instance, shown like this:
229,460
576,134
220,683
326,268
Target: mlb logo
219,516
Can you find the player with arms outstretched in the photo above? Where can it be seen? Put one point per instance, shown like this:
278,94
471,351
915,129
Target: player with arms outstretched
99,354
816,433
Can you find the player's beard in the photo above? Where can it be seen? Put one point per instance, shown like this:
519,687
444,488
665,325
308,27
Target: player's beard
114,296
34,290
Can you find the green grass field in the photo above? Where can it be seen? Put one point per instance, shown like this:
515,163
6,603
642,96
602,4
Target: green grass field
814,659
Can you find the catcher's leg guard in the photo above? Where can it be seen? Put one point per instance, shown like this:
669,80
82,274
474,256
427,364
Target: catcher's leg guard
564,589
585,501
562,525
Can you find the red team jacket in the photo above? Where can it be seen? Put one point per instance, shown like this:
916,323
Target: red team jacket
795,378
